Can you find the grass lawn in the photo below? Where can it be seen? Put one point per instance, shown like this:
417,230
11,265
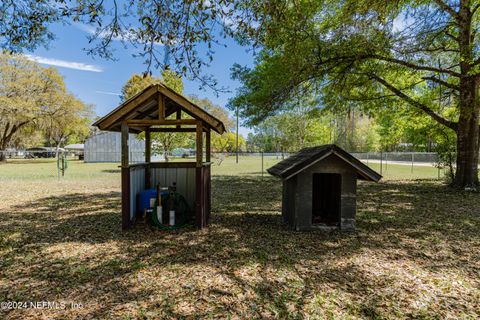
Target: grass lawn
416,253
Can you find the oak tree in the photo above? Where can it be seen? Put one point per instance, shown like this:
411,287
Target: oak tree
373,53
33,98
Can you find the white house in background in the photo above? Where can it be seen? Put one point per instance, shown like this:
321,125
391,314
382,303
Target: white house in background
106,147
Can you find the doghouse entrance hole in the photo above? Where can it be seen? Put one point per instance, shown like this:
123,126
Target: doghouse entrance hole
326,198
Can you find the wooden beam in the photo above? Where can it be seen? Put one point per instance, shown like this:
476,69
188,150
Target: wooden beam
207,146
126,222
144,115
127,107
192,109
199,197
208,195
137,129
148,145
179,115
125,159
148,156
137,165
125,179
161,107
147,123
152,111
183,164
173,129
199,144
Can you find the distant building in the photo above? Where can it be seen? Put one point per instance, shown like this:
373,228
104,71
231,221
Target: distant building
13,153
42,152
183,152
106,147
75,147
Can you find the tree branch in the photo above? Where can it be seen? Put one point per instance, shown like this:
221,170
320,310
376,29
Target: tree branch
411,65
450,124
442,82
15,128
7,136
475,9
477,61
415,66
451,36
448,9
4,137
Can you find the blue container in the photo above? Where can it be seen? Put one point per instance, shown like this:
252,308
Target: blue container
143,199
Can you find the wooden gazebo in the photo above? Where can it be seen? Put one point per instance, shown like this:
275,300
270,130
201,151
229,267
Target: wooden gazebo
159,109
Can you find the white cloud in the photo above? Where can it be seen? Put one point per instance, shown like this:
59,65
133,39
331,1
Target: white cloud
402,23
84,28
91,31
108,93
64,63
398,24
126,36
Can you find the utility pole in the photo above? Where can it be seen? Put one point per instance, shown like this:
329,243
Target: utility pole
262,165
237,137
352,138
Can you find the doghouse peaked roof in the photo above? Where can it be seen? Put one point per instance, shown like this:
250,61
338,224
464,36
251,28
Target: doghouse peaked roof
307,157
144,106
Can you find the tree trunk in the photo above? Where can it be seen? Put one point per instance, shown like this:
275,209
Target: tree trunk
468,135
165,154
4,139
7,137
467,130
3,149
58,143
57,150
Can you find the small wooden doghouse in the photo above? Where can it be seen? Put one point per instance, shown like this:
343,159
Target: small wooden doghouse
320,187
159,109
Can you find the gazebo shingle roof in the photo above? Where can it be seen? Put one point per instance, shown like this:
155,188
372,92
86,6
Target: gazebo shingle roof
144,106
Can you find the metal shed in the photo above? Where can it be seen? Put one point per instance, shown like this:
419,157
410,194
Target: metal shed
159,109
107,147
320,187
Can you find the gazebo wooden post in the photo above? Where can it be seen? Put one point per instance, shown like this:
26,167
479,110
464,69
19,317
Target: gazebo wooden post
207,146
199,215
199,144
148,156
208,152
125,178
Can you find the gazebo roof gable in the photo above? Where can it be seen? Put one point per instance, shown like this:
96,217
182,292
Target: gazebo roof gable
144,106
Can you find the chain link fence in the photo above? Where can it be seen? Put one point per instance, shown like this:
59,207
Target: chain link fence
391,164
48,153
394,164
111,156
399,157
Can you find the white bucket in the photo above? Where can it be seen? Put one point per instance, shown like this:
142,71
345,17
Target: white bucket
159,214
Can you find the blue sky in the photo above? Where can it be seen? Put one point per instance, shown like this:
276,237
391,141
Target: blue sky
98,82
